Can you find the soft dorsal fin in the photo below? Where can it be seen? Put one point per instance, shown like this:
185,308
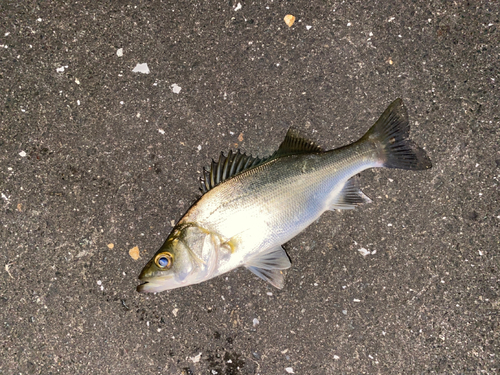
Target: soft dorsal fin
227,167
294,143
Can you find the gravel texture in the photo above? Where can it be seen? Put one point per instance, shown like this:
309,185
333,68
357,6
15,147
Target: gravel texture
96,159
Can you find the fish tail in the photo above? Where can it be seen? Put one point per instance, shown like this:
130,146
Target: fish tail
391,133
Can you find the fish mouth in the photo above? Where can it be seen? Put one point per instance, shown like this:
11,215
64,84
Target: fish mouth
155,284
142,288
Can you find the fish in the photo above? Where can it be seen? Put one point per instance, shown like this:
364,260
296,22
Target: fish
252,206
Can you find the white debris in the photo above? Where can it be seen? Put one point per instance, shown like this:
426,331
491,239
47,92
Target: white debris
196,358
364,252
289,370
389,225
22,154
175,88
99,282
175,311
77,81
255,322
237,7
39,19
199,147
336,357
141,68
119,52
7,267
356,300
308,27
161,131
122,102
5,197
78,102
269,293
7,34
61,69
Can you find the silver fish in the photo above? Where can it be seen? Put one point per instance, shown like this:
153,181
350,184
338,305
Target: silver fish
252,206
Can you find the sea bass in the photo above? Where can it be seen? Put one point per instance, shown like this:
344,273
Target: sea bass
252,206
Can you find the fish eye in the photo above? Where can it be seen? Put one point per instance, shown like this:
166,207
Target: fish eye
164,260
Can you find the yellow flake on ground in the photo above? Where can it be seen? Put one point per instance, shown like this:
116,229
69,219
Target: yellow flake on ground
111,245
289,20
134,253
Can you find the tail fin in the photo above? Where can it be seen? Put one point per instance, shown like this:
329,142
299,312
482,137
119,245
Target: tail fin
392,130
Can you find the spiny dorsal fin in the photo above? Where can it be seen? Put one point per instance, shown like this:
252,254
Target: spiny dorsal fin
235,163
227,167
294,144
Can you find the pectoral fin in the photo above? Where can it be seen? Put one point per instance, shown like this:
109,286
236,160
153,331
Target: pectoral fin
269,266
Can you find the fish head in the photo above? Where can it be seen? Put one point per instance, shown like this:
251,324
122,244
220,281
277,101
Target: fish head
182,260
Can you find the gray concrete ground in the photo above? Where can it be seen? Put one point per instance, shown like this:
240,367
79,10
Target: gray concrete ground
94,154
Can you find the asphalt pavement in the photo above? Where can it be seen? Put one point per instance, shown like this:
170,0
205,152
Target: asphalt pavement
100,155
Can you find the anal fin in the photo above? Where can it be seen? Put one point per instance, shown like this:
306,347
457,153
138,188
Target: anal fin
350,196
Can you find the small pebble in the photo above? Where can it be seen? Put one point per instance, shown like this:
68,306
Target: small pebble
289,20
134,253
